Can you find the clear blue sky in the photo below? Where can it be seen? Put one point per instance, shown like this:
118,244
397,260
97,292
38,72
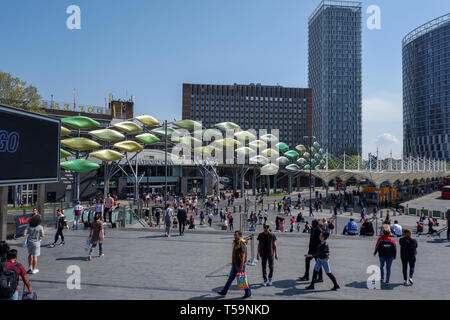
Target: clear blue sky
149,48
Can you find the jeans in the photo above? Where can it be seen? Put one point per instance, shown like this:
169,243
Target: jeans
231,276
76,220
322,263
168,225
388,262
264,260
411,262
100,248
307,266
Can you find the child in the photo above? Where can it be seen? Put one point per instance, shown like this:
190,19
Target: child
61,223
322,257
97,235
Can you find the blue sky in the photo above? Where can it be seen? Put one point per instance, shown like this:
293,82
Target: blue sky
149,48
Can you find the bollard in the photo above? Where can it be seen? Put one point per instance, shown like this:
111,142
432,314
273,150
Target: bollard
240,208
381,214
351,212
234,209
394,213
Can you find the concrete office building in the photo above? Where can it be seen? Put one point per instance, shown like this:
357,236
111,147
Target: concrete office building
252,106
334,75
426,90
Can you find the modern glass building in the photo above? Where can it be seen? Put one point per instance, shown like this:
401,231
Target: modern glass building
426,90
334,75
252,106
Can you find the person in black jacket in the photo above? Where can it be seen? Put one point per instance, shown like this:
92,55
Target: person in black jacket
182,218
322,260
408,252
314,241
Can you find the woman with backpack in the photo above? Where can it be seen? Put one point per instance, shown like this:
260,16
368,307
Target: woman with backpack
387,252
33,235
61,223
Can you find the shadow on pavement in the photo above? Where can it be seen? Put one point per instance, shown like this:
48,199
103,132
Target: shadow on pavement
207,297
84,258
363,285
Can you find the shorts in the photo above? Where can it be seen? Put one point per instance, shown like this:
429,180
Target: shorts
34,249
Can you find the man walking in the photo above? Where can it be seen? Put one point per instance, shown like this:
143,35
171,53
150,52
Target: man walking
314,242
109,202
238,263
267,247
182,218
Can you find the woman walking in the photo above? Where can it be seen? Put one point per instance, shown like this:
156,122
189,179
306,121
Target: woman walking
97,235
34,233
387,252
61,223
408,252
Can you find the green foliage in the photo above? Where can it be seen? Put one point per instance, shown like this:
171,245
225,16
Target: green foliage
15,93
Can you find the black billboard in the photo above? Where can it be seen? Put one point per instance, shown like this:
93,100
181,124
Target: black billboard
29,147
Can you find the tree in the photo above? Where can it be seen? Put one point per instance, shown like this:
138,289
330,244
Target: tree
15,93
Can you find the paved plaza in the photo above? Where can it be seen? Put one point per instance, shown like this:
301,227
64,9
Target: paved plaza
146,265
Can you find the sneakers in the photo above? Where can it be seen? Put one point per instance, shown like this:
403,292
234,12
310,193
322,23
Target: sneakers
101,255
34,271
270,282
335,288
406,283
411,282
51,245
221,293
61,244
265,283
30,270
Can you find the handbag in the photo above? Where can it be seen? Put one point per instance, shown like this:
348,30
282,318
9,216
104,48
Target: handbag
28,295
242,283
88,242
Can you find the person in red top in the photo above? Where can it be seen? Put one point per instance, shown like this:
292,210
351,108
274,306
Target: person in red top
20,271
387,252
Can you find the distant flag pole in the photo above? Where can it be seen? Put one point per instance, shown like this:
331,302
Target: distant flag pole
74,104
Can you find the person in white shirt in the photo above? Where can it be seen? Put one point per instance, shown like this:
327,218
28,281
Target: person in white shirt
78,211
168,214
265,216
396,229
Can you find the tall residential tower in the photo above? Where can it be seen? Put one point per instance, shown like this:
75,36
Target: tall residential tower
334,75
426,90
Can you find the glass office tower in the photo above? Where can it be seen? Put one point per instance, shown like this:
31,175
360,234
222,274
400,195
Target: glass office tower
426,90
334,74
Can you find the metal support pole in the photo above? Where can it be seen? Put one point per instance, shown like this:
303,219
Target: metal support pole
3,212
165,163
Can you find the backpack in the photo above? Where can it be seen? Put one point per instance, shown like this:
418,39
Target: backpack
8,281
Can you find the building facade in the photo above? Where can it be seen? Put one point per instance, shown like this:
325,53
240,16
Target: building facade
426,90
252,106
334,75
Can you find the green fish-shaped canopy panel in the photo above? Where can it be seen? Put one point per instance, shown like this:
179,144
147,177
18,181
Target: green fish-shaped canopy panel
147,138
107,135
128,127
227,126
188,124
64,153
269,169
300,148
148,121
80,122
65,131
316,145
128,146
80,144
107,155
270,153
282,160
291,154
282,146
161,131
79,165
293,168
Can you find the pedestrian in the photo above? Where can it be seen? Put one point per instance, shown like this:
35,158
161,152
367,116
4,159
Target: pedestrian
311,214
265,216
363,214
191,222
96,236
408,252
9,288
33,235
210,218
322,256
387,251
108,202
230,221
314,242
239,258
99,207
182,218
267,250
396,229
77,211
168,215
158,216
61,223
202,217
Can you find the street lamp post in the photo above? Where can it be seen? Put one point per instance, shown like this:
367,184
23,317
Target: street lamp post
310,168
165,162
